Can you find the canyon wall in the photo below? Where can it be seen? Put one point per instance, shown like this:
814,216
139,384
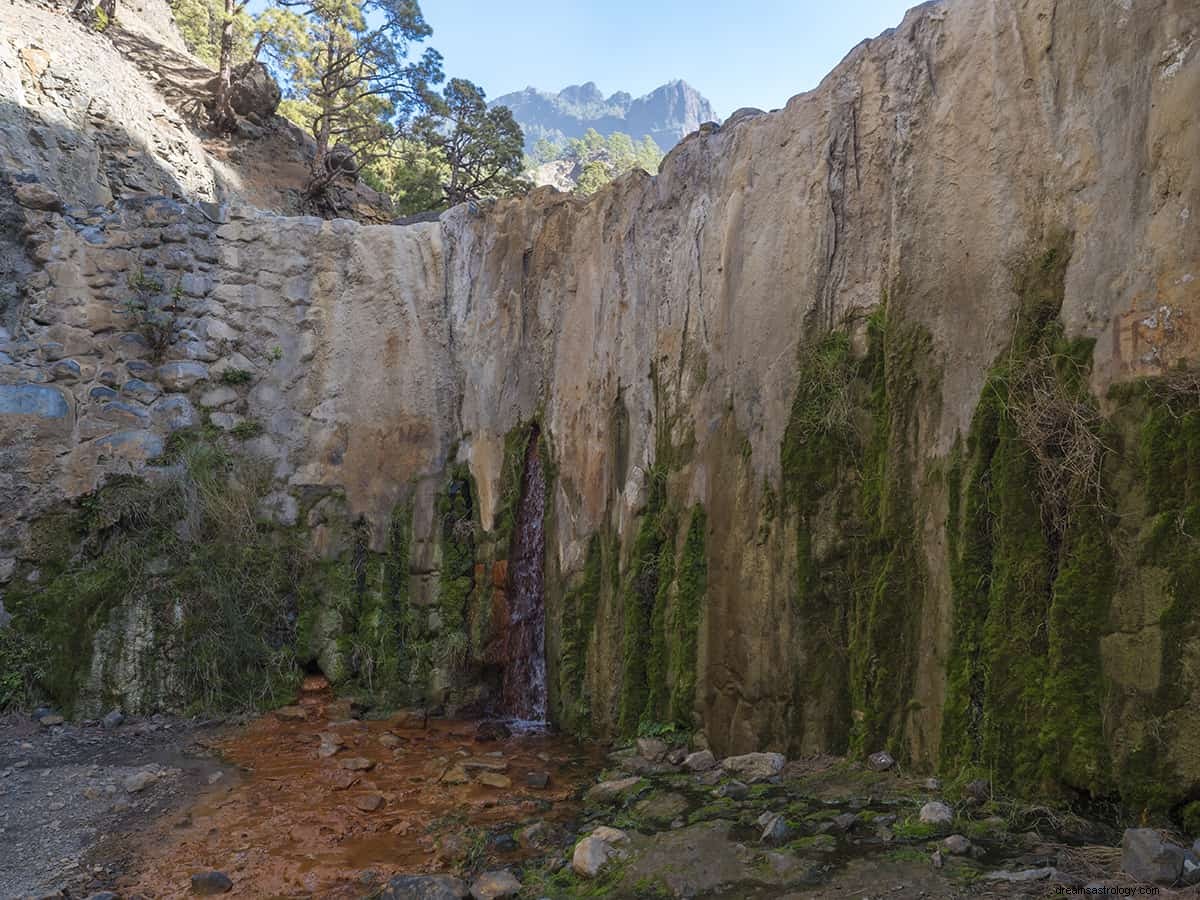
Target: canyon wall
797,497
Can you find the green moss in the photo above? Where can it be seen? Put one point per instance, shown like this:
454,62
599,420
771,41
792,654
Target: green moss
693,586
846,462
236,376
246,429
913,829
579,617
1032,578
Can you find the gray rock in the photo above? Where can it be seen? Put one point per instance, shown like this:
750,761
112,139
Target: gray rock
121,413
255,94
1021,875
8,566
734,790
775,829
956,845
754,766
933,784
113,719
845,821
1147,857
594,852
174,413
65,370
495,885
881,761
33,400
51,721
102,394
218,396
425,887
936,813
651,749
182,375
537,780
139,781
208,884
700,761
140,390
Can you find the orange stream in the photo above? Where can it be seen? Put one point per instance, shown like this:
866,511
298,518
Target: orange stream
287,824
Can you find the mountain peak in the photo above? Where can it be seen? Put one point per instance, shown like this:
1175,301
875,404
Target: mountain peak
667,113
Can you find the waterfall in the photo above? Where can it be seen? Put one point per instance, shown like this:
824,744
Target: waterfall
524,683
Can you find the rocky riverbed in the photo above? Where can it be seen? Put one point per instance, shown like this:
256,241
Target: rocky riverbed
314,801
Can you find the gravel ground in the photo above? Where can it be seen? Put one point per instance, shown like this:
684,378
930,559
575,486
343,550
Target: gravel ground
74,796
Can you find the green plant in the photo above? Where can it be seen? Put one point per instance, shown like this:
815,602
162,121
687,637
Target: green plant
236,376
247,429
153,319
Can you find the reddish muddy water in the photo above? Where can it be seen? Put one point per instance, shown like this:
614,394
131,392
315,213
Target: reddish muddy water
300,819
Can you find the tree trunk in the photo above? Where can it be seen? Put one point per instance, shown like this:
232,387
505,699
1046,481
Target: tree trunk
223,117
319,178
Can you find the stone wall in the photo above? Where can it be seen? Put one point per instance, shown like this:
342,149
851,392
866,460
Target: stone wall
983,160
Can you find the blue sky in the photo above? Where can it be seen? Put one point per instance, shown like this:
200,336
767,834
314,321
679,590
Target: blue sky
736,54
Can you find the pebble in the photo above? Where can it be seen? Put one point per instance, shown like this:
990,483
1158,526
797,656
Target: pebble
207,884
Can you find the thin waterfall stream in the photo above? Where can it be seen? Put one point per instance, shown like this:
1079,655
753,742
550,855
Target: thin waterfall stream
523,688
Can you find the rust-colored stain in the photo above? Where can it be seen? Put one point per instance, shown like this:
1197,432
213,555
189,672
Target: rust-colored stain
295,824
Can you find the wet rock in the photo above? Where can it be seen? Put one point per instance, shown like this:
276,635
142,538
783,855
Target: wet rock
492,731
369,802
956,845
113,719
754,766
1147,857
651,749
495,885
537,780
881,761
700,761
936,813
425,887
594,851
611,791
494,779
357,764
207,884
292,713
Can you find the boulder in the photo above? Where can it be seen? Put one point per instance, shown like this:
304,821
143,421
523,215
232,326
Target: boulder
594,851
700,761
495,885
610,791
956,845
39,197
775,829
254,93
881,761
113,719
754,766
936,813
652,749
1147,857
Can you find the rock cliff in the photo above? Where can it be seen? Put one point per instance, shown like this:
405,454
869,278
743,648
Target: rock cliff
866,423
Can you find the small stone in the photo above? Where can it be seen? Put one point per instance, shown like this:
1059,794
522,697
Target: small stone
140,390
455,775
537,780
936,813
369,802
51,721
424,887
594,851
933,784
677,756
651,749
700,761
845,821
103,895
139,781
881,761
1021,875
956,845
113,719
291,713
207,884
181,375
936,859
357,764
493,779
495,885
391,741
489,764
978,790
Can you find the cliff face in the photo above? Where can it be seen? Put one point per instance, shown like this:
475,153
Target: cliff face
861,419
